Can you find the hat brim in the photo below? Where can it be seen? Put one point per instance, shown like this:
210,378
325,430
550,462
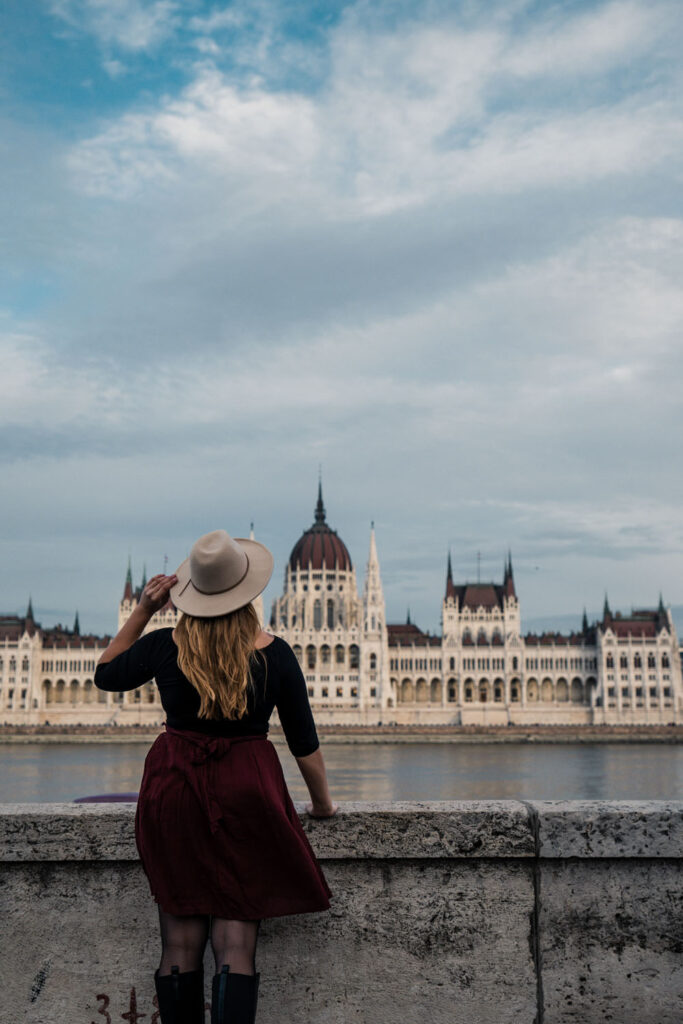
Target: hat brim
191,601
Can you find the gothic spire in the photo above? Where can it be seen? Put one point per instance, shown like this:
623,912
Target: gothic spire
77,626
320,508
450,589
128,588
509,582
606,611
584,622
29,611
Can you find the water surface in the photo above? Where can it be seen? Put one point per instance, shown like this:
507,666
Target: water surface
379,771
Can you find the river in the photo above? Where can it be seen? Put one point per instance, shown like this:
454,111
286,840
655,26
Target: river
31,772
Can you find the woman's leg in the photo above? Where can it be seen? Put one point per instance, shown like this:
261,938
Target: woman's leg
234,943
183,941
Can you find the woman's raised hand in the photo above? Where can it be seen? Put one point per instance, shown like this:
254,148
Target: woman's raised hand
155,594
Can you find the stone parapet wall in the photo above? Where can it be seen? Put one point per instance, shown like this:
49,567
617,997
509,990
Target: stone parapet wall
487,912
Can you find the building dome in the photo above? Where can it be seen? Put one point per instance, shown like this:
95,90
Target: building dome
320,545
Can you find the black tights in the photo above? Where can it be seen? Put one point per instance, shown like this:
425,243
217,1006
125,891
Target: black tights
183,941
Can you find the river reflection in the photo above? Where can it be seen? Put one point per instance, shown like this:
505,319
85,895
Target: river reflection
379,771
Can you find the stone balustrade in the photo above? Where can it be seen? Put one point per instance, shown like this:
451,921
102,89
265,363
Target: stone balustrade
483,912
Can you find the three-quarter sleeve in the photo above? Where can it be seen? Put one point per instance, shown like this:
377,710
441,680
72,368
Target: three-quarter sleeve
293,705
131,668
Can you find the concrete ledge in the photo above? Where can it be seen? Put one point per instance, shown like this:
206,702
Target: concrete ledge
497,912
596,829
360,830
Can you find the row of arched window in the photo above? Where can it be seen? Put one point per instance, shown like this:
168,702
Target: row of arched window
638,661
331,612
484,691
12,664
312,656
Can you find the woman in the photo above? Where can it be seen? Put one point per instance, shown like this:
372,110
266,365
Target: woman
218,835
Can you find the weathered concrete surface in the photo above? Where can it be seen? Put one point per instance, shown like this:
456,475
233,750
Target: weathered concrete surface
486,912
484,828
612,941
595,828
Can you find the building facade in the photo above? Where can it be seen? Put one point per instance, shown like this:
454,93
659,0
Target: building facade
359,669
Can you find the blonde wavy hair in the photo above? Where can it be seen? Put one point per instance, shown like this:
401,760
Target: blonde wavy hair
215,655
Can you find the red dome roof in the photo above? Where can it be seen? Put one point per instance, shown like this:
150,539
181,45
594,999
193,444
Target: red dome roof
320,545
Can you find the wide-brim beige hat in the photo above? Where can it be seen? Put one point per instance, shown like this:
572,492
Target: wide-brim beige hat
222,574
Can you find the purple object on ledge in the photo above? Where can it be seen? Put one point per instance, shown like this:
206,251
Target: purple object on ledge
108,798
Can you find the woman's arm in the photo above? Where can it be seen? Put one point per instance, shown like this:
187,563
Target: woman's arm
312,768
154,597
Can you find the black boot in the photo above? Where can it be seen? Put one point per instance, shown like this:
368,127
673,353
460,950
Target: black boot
234,997
180,996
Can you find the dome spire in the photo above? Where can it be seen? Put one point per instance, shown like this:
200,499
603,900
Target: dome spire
320,508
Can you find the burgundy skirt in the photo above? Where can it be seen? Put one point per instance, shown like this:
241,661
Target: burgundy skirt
217,831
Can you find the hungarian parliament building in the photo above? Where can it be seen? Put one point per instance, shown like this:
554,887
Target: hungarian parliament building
360,669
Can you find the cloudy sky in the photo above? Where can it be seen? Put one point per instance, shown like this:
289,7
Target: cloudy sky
433,247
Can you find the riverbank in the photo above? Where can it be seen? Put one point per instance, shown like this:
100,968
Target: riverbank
360,734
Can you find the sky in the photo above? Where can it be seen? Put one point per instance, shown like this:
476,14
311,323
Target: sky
432,250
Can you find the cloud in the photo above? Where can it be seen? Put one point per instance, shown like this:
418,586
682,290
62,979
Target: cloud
449,270
130,24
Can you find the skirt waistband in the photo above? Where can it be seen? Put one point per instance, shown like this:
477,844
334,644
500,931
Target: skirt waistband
207,750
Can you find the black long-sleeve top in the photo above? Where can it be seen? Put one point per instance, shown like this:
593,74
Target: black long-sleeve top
155,656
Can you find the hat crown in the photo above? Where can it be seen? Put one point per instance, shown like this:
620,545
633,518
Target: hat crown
217,563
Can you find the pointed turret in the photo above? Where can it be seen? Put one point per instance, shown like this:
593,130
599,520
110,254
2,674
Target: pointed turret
128,588
661,609
29,622
144,578
77,626
373,595
408,622
509,583
606,610
584,622
450,588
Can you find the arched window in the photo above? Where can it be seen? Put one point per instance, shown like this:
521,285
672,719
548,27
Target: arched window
330,614
451,664
637,661
24,665
339,654
468,693
452,690
623,661
325,654
514,664
610,661
317,615
310,656
665,661
373,661
354,656
298,652
651,661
